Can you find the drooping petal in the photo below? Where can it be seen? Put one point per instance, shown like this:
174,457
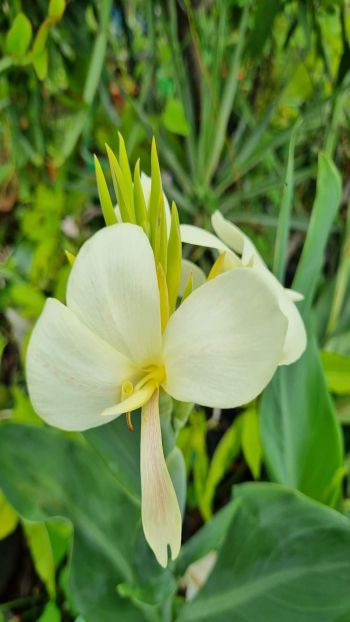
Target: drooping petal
200,237
161,517
187,268
72,374
223,344
113,289
235,238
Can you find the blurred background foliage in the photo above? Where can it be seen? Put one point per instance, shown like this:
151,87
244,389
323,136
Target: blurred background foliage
241,98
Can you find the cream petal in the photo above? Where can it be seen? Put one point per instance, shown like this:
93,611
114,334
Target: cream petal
187,268
235,238
113,289
161,517
295,340
72,374
294,295
200,237
223,344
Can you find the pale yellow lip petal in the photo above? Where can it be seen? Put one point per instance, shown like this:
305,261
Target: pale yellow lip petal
200,237
113,290
224,343
136,400
72,374
161,517
294,295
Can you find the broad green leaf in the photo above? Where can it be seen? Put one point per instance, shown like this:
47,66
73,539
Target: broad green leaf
299,428
284,557
174,119
39,45
328,194
105,198
251,444
337,371
53,475
41,551
56,9
8,517
173,274
225,452
19,36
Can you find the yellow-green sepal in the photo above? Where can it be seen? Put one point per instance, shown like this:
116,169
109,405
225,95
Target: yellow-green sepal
139,200
105,198
120,187
126,172
173,273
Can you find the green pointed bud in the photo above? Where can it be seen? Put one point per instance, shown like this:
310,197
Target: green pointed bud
161,238
120,187
139,200
125,168
174,258
105,198
70,257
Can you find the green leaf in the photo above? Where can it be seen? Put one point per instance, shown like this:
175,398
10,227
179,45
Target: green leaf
225,452
251,444
56,9
53,475
284,557
19,36
337,371
8,517
105,198
40,63
174,119
281,243
299,428
41,550
50,614
328,194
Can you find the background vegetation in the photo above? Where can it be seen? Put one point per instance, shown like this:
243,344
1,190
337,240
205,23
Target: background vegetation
242,98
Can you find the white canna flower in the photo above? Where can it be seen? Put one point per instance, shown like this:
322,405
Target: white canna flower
104,354
238,251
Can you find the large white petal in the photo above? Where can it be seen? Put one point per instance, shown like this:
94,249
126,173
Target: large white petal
235,238
161,517
223,344
72,374
113,289
198,276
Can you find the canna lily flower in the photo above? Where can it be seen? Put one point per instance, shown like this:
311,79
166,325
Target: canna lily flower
237,251
111,349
